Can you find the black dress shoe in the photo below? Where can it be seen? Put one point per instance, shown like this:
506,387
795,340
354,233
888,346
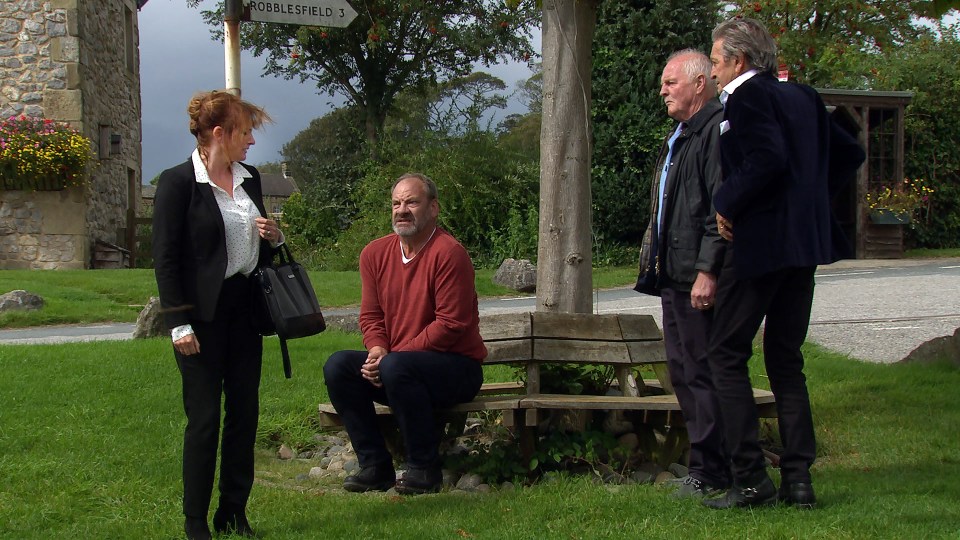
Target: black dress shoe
798,494
761,494
419,481
233,521
196,528
377,478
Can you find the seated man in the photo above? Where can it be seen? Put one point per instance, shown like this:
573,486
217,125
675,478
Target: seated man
420,324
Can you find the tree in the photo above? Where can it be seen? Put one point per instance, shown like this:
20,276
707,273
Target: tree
325,159
273,167
390,47
631,46
938,8
564,272
930,68
531,90
457,106
836,42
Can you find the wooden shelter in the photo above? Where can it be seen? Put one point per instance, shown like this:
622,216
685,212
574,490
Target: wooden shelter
877,118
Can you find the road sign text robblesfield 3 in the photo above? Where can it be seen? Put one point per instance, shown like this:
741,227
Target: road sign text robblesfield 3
296,9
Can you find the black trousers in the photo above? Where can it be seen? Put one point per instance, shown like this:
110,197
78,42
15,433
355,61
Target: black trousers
414,384
685,334
228,369
784,297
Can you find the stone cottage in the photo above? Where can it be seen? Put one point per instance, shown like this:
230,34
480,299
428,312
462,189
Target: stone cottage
74,61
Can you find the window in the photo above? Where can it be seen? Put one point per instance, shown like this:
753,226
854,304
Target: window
129,31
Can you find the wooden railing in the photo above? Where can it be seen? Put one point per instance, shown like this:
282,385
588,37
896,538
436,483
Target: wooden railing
137,242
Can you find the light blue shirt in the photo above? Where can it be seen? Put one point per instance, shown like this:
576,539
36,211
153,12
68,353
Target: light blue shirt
663,174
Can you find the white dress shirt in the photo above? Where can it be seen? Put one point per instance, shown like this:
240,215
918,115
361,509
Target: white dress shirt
734,84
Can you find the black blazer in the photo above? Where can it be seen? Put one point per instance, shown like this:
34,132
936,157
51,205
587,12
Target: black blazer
189,243
783,158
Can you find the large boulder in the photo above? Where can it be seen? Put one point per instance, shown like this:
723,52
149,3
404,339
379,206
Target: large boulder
937,349
20,300
150,321
519,275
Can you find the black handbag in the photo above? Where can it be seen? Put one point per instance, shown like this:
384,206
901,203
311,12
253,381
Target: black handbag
285,303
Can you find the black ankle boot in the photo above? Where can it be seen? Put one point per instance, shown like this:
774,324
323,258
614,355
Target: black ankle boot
196,528
374,478
417,481
232,520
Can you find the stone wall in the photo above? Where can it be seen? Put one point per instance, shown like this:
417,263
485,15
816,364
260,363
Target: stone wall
39,230
74,61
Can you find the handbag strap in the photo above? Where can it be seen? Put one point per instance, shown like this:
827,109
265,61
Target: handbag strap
286,257
287,370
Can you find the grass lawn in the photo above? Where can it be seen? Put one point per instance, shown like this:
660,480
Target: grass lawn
90,437
93,296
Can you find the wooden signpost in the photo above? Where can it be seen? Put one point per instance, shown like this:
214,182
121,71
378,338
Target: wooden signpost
331,13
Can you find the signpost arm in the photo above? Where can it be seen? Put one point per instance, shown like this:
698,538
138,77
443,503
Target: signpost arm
231,44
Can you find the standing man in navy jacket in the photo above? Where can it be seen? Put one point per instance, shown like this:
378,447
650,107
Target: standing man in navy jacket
782,159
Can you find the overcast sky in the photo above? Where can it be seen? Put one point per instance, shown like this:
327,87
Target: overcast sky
178,58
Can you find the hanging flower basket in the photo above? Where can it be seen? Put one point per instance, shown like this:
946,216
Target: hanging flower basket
900,203
42,155
885,216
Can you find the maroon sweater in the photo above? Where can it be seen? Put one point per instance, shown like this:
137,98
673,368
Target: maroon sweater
428,304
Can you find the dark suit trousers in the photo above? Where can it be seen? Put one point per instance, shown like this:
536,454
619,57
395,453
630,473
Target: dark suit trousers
228,368
685,334
414,384
785,298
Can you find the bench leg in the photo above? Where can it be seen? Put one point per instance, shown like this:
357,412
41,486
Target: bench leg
527,436
674,445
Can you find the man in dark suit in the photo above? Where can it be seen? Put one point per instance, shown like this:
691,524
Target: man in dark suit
782,159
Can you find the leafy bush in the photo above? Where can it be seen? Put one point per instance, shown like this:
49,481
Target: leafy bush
481,184
930,68
40,154
495,455
576,379
630,48
566,450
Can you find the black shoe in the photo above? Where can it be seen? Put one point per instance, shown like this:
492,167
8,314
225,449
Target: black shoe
420,481
798,494
377,478
196,528
234,521
761,494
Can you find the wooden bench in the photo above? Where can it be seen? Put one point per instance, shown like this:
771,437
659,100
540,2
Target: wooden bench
625,342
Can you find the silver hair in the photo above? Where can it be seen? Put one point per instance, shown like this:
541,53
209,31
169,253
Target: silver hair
748,37
698,63
428,185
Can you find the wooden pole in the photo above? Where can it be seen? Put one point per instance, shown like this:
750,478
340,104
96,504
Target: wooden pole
231,45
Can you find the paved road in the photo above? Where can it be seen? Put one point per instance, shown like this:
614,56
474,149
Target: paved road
874,310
